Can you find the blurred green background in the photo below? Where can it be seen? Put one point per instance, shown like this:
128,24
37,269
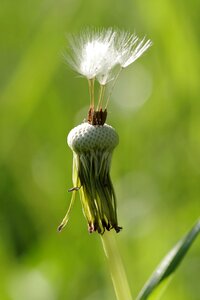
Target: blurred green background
155,108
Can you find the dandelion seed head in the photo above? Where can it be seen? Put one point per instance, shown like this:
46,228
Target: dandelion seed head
95,53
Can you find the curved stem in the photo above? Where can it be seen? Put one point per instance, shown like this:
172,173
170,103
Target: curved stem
66,218
116,267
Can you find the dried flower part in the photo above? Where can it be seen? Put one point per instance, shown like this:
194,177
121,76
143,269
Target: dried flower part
92,148
97,117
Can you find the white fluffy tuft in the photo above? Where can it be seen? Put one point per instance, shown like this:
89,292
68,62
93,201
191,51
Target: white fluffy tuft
95,53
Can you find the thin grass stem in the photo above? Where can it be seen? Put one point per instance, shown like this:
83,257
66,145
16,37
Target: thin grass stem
118,274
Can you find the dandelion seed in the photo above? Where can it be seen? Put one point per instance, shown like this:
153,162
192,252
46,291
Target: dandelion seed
95,55
132,50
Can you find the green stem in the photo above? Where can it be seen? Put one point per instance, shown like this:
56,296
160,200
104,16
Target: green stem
116,267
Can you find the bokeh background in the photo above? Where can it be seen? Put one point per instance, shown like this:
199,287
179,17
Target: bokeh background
155,108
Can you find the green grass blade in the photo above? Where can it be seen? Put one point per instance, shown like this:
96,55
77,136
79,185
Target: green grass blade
170,262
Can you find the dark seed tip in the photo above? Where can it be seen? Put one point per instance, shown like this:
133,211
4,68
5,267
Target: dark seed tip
118,229
60,228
